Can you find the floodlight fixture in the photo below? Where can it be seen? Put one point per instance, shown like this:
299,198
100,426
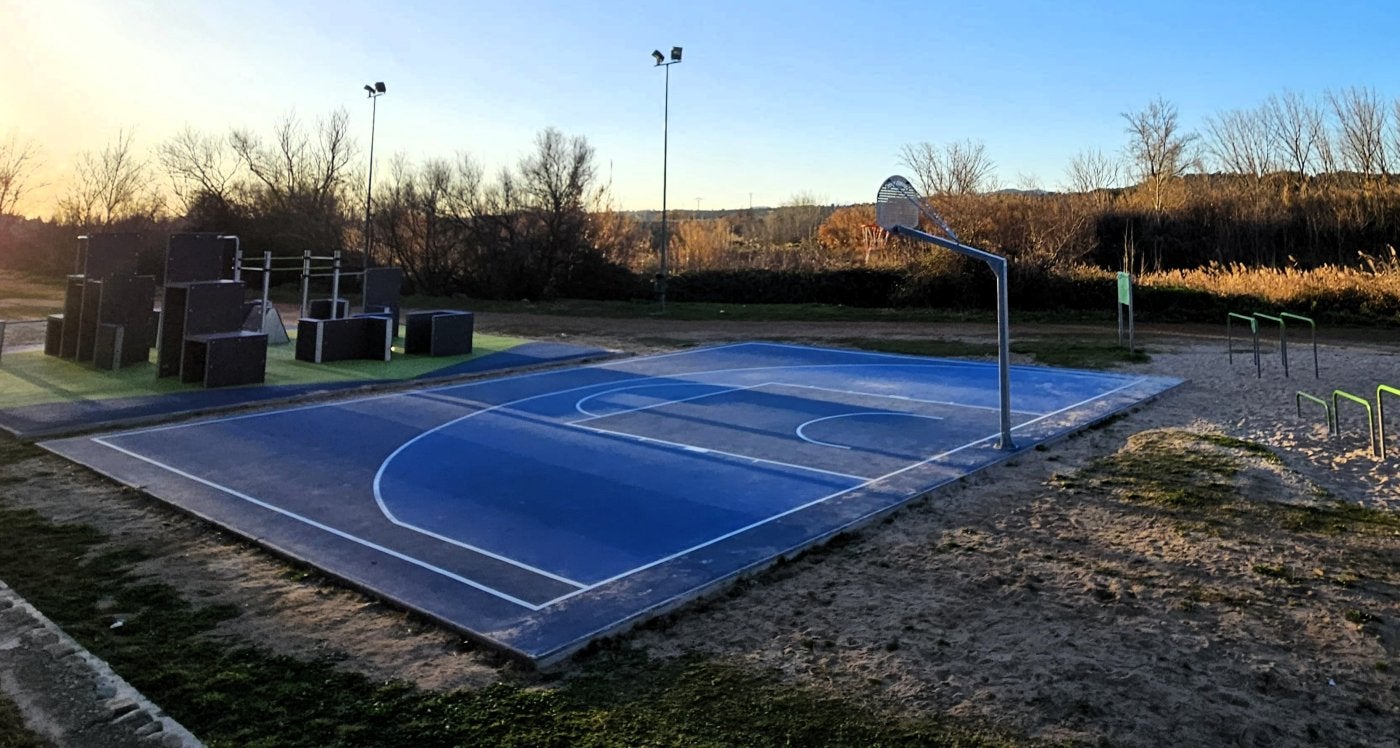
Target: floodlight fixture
374,92
665,141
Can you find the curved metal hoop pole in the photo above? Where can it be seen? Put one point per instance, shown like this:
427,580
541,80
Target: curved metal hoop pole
897,208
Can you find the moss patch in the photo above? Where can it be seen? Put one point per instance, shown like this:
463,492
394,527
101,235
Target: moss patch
13,733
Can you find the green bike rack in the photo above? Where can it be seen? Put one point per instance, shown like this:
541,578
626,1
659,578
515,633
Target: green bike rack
1380,407
1230,339
1370,415
1313,326
1300,396
1282,338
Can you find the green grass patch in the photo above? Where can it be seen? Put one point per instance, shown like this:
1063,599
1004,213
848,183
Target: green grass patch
1057,352
709,311
921,347
24,296
32,378
1359,617
1194,476
13,733
1339,517
1276,571
232,694
1170,469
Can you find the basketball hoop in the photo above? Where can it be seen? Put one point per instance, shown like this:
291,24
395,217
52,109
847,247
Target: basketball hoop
898,208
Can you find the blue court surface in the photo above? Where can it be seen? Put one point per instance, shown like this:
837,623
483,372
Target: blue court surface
542,511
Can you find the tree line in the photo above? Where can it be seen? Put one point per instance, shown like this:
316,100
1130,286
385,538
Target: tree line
1294,181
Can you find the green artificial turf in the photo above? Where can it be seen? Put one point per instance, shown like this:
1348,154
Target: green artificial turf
32,378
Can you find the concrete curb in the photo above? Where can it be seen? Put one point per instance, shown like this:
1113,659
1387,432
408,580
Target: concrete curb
69,696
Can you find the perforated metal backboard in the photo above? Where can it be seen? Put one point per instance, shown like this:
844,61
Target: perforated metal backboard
899,204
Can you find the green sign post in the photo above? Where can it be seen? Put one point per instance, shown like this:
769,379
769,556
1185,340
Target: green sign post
1125,299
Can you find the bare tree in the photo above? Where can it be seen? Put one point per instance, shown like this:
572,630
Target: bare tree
557,181
1160,151
412,221
111,186
925,160
17,163
959,168
1092,172
296,164
797,220
1028,182
303,177
1241,142
1361,122
1298,133
199,164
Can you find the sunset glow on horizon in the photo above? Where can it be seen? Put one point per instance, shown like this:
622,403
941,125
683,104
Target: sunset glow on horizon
772,99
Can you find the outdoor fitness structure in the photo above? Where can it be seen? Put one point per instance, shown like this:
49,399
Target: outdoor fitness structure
1281,319
1375,418
326,331
1331,406
898,208
206,331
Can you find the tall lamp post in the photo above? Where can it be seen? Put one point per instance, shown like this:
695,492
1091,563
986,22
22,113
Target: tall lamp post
375,92
661,61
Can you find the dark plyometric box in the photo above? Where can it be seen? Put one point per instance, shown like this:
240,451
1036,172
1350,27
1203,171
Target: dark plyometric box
118,300
119,346
438,333
72,313
383,287
107,347
105,256
321,308
53,334
191,258
224,359
364,336
87,318
202,308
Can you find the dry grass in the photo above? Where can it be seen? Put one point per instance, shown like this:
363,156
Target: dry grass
24,296
1377,283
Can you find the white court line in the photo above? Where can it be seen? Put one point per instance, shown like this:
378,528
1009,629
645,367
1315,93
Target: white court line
906,362
830,496
904,397
440,388
804,437
706,450
593,416
326,528
909,362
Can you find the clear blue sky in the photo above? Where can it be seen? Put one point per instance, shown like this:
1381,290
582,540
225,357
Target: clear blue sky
772,99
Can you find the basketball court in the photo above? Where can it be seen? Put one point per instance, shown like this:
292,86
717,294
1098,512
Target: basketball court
540,512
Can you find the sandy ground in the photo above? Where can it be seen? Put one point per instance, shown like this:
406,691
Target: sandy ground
1063,615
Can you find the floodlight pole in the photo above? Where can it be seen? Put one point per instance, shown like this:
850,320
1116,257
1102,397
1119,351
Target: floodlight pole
375,92
662,62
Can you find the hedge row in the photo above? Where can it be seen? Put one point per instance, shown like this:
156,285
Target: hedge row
971,287
969,290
